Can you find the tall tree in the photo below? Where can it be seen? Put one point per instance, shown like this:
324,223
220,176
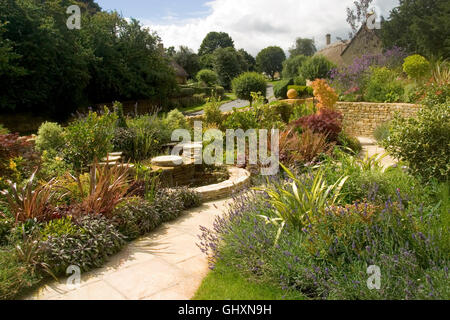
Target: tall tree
270,60
215,40
248,61
189,60
227,65
357,16
420,26
303,46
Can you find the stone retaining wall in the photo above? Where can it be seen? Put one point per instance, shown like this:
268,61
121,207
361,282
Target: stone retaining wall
362,118
239,179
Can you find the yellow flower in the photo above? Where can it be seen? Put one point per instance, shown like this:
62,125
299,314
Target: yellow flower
58,159
12,164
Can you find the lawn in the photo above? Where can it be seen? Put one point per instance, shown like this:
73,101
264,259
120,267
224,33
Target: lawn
224,283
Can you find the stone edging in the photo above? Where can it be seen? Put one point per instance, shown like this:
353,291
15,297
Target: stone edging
239,179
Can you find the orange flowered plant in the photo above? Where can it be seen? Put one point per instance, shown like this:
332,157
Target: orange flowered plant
326,95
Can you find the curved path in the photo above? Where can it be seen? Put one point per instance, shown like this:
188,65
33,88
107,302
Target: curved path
226,107
165,265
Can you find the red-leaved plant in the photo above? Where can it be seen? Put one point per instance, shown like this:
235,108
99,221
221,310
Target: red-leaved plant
327,122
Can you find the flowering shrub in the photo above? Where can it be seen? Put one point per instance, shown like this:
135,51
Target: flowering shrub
329,257
327,122
325,94
352,79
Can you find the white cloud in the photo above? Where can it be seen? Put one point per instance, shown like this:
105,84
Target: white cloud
256,24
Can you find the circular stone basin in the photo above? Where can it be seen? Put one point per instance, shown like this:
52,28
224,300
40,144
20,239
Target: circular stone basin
167,161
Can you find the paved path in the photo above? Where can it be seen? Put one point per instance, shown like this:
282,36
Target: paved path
370,146
165,265
226,107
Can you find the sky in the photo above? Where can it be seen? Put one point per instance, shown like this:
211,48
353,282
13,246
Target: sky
253,24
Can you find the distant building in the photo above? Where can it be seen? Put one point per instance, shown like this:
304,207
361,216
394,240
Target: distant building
180,74
341,53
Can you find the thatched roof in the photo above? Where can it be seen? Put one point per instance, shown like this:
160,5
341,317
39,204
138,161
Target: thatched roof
179,71
333,52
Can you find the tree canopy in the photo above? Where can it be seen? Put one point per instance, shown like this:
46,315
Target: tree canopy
270,60
303,46
47,68
420,26
188,59
215,40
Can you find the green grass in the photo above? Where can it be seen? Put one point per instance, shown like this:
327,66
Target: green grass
226,284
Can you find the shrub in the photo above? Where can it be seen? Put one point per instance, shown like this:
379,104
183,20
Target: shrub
188,197
94,240
150,134
121,120
176,120
284,110
89,138
328,259
15,274
383,86
248,83
300,81
135,217
186,92
416,66
325,94
328,122
123,141
168,205
280,88
300,110
208,77
317,67
52,165
242,120
108,186
291,66
423,142
303,91
219,91
350,142
297,149
213,115
31,202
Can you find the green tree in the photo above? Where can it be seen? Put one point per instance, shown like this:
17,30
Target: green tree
189,60
292,65
248,62
208,77
303,46
227,65
248,83
420,26
215,40
317,67
270,60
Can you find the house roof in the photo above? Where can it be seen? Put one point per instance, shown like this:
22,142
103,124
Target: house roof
179,71
333,52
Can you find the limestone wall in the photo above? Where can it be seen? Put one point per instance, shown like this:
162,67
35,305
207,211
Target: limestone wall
362,118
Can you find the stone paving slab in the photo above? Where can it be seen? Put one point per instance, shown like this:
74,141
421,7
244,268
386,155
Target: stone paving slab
165,265
370,146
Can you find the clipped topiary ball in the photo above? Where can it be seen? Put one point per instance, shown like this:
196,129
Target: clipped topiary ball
292,94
